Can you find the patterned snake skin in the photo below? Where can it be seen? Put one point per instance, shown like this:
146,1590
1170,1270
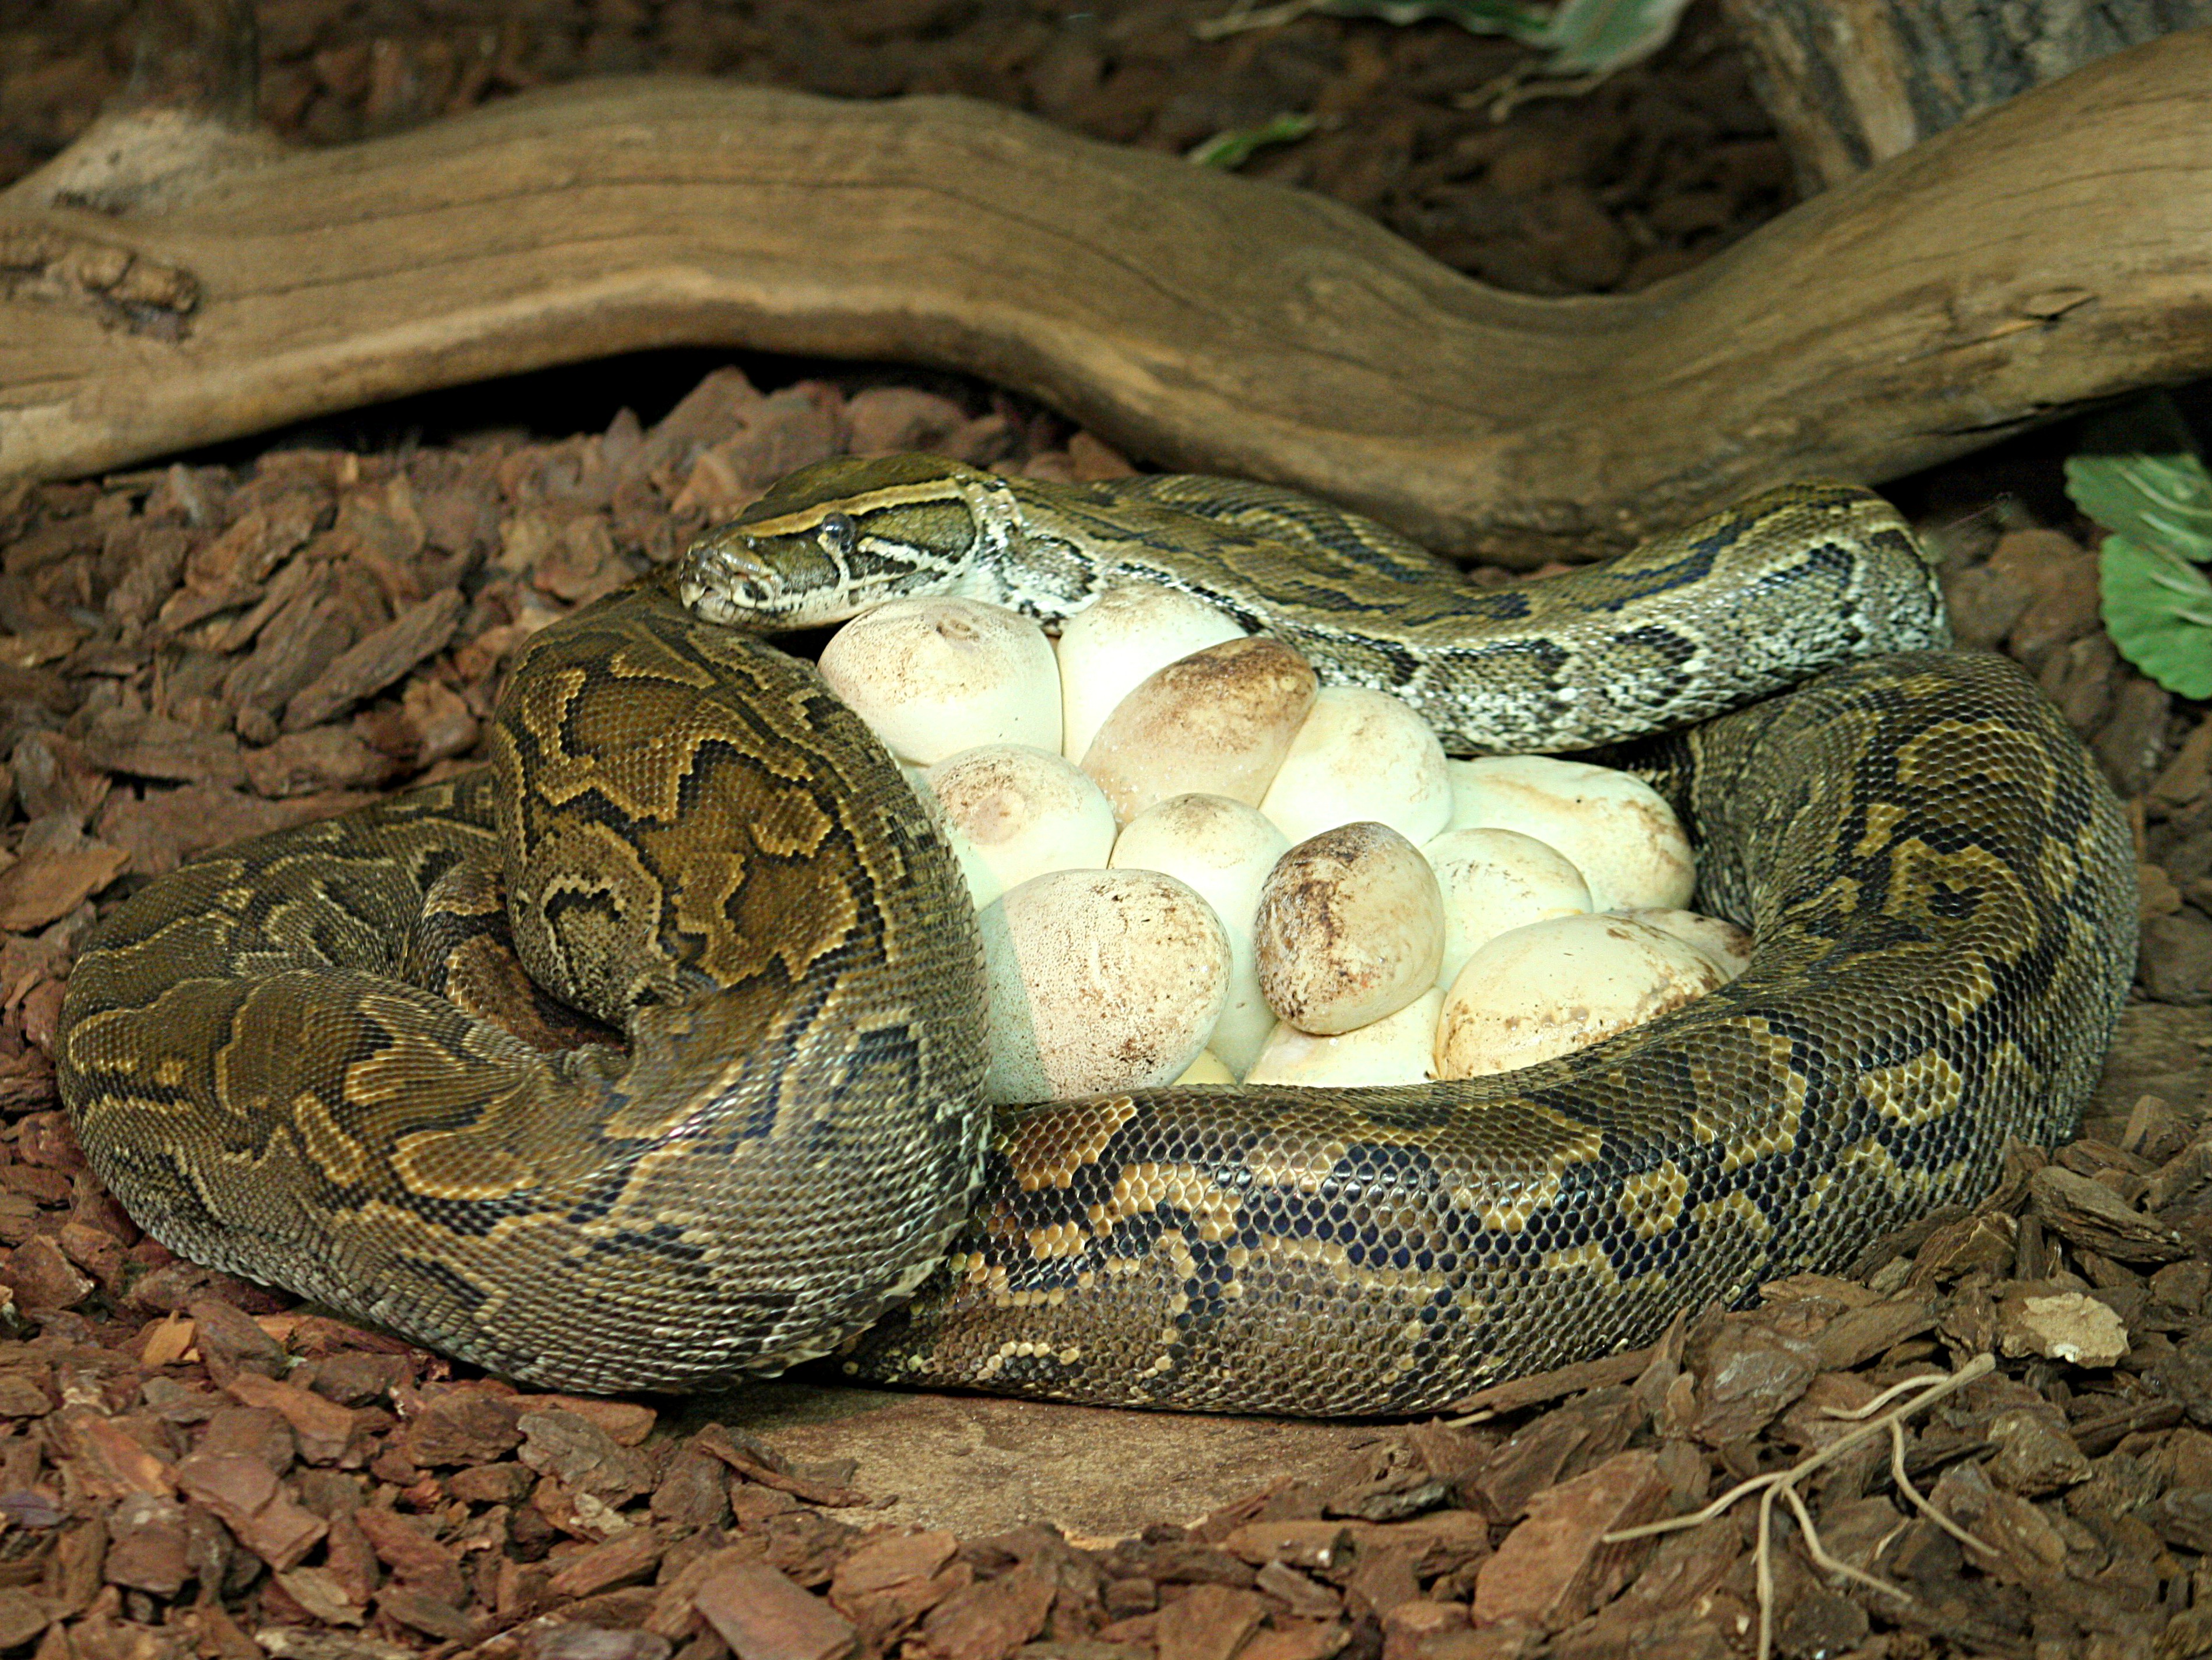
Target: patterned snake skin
702,848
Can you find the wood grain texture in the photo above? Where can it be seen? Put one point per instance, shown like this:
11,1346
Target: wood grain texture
2056,250
1851,82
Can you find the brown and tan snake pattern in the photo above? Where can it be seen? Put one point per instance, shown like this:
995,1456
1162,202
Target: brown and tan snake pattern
701,848
781,1151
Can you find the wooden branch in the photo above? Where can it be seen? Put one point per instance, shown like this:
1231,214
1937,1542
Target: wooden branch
1851,82
2056,250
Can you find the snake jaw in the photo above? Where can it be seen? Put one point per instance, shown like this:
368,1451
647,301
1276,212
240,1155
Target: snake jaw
722,581
770,584
732,579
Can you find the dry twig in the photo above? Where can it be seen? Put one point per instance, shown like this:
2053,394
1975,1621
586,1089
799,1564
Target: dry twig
1922,1392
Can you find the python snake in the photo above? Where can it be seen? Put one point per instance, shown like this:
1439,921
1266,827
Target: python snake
698,846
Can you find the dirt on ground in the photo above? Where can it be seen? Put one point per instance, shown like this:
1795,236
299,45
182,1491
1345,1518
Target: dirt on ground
1992,1435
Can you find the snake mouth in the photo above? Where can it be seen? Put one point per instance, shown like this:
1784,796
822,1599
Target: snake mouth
725,582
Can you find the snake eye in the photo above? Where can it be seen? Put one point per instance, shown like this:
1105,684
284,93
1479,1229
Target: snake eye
839,532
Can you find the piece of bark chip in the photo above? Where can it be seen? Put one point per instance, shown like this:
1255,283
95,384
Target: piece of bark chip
762,1616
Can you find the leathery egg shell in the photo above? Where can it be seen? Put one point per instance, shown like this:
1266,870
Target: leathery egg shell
1350,928
1494,881
1223,849
1099,980
934,675
1218,721
1399,1048
1018,812
1618,830
1109,648
1718,938
1361,755
1558,986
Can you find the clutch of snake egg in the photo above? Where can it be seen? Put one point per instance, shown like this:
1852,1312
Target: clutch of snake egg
1098,986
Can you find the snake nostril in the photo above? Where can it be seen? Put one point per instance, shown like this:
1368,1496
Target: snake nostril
729,564
742,564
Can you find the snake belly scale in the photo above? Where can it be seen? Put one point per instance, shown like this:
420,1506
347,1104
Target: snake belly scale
701,848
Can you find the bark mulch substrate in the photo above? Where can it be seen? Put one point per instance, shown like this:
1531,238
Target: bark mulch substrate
196,1465
1645,175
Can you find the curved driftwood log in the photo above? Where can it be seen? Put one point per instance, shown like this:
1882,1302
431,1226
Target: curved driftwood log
161,289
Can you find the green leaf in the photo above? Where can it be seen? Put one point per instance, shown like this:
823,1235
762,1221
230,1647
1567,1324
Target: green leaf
2158,608
1234,148
2138,474
1521,20
1595,37
1586,37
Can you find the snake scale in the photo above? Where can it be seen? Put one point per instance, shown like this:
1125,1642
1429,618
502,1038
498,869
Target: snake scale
272,1055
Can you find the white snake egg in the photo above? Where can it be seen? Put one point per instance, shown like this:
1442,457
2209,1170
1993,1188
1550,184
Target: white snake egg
1399,1048
1361,755
933,676
1017,812
1350,928
1098,981
1727,945
1554,987
1108,648
1618,830
1496,880
1223,849
1218,721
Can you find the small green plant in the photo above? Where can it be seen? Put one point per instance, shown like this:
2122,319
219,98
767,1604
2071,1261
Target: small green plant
2139,474
1588,39
1585,37
1233,147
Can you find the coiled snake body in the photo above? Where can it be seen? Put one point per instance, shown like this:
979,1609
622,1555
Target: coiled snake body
700,845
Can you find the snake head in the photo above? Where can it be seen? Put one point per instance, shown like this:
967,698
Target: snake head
833,539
